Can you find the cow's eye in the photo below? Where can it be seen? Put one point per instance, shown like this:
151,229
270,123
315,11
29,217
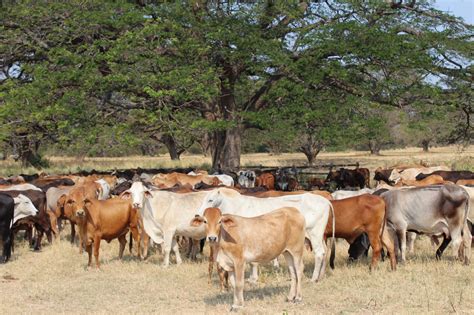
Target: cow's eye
211,200
205,221
220,221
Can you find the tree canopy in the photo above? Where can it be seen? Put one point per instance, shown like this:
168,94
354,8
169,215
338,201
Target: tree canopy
300,75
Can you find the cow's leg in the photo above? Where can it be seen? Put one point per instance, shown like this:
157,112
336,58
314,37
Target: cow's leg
292,269
223,278
175,247
136,237
7,239
466,245
146,241
387,241
73,232
254,275
211,264
54,224
276,264
319,250
168,237
97,239
457,238
89,252
239,270
38,239
411,237
123,242
374,239
402,238
442,247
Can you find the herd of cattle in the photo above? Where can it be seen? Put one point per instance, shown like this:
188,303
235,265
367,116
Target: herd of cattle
246,217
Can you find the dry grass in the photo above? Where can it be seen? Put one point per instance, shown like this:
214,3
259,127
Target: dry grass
56,280
459,158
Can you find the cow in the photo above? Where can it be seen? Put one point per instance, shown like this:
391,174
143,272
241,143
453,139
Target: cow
314,208
170,180
259,239
246,179
427,181
266,180
432,210
69,203
166,215
121,187
106,220
23,208
316,182
383,175
19,187
452,176
7,210
465,182
45,183
278,193
342,194
41,220
343,178
358,215
104,191
54,210
285,180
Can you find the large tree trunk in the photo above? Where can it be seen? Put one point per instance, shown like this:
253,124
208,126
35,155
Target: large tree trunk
374,147
227,144
311,149
28,152
170,144
426,145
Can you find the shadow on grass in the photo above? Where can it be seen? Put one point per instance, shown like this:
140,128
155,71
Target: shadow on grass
225,298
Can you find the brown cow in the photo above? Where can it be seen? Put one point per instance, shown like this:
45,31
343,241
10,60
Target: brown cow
430,180
266,180
258,239
359,214
107,220
465,182
69,203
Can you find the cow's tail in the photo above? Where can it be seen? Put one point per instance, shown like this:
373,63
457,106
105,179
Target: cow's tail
130,243
333,240
382,230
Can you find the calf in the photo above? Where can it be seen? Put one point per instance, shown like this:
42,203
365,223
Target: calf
258,239
266,180
106,220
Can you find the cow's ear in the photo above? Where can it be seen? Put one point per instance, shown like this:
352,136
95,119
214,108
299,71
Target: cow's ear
125,195
228,222
148,194
197,221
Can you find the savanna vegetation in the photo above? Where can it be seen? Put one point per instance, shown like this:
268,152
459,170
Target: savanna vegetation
221,78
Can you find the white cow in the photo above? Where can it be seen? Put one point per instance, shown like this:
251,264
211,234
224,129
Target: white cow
23,208
343,194
166,214
314,208
21,187
104,193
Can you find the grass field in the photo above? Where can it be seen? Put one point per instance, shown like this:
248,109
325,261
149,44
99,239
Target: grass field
454,156
55,280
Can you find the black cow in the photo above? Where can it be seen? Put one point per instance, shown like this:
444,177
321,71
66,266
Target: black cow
45,185
7,207
452,176
349,178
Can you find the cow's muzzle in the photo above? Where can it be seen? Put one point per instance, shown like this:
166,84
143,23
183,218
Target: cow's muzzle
212,238
137,205
80,213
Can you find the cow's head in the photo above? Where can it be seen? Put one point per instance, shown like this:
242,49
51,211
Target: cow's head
23,207
395,176
212,200
137,192
213,221
74,203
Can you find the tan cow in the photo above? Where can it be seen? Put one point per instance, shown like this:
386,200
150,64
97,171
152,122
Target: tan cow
279,193
170,180
258,239
107,220
430,180
465,182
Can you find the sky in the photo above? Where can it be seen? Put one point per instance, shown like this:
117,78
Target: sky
462,8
